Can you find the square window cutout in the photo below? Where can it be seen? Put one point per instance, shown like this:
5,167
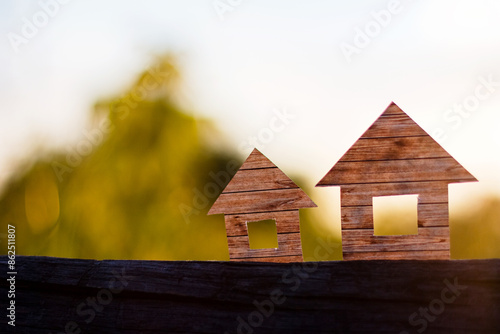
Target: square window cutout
395,215
262,234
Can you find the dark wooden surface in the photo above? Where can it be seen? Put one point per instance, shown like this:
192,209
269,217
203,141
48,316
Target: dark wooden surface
210,297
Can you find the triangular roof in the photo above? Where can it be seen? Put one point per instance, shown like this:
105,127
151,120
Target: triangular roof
260,186
395,149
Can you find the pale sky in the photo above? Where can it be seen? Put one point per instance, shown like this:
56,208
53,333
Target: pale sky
333,66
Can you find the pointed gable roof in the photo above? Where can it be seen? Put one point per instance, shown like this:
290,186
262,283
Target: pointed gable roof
395,149
260,186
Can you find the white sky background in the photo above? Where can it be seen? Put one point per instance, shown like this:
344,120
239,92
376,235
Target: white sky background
264,55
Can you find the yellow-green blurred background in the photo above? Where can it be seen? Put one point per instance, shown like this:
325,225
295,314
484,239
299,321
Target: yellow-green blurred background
122,121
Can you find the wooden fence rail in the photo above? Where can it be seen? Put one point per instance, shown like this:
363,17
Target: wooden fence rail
57,295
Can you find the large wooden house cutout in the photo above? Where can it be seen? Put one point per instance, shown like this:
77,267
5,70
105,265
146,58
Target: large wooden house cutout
395,156
261,191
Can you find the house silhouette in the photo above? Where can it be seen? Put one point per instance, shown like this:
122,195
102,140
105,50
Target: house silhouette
261,191
395,156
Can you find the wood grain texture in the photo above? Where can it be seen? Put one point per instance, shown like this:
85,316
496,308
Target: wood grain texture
410,255
259,179
288,245
261,191
257,160
395,156
387,171
286,222
429,215
393,109
399,125
427,239
262,201
433,214
394,137
394,148
362,194
272,259
259,186
209,297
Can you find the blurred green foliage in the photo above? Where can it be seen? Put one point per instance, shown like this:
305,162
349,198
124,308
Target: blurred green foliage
126,189
475,233
140,181
262,234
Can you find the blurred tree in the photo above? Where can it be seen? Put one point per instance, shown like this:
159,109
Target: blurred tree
137,185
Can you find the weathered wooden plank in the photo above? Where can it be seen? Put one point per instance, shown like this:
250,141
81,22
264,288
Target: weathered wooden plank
411,255
358,165
361,194
212,297
286,221
393,109
273,259
257,160
438,193
429,215
395,156
433,214
427,239
288,245
411,170
395,125
259,186
356,217
262,201
259,179
394,148
260,191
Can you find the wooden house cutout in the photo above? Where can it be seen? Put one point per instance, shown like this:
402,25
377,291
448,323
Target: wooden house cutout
395,156
261,191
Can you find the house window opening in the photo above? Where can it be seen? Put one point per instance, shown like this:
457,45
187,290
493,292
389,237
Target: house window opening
262,234
395,215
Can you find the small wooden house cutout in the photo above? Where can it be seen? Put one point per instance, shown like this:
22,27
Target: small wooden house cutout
261,191
395,156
